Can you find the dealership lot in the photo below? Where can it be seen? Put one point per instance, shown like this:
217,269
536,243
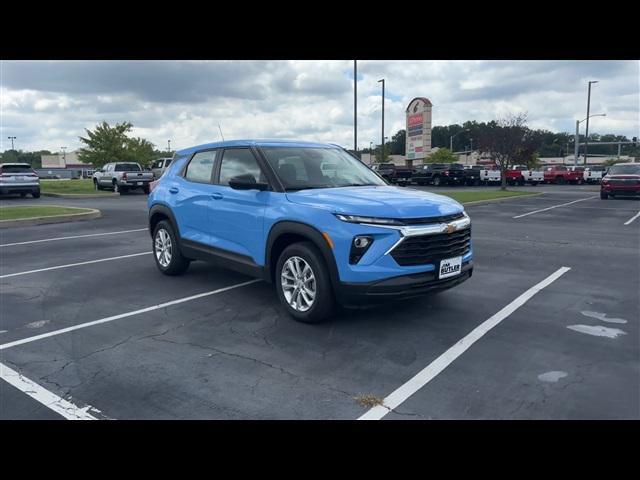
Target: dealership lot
570,351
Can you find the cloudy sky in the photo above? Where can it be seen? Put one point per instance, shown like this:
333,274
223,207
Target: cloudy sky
48,104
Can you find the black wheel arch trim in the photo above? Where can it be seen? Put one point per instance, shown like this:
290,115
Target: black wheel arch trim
314,235
166,211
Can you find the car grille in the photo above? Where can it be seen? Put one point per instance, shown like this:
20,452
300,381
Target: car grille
425,249
624,181
430,220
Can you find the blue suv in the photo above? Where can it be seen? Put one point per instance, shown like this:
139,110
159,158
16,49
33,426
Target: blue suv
312,219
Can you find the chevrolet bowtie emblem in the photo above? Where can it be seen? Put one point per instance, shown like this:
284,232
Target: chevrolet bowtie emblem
450,228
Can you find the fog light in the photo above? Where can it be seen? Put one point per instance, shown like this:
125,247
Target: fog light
361,242
359,247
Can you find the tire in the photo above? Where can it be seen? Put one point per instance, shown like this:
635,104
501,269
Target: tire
176,264
603,195
116,189
36,194
437,181
147,189
560,180
521,182
323,304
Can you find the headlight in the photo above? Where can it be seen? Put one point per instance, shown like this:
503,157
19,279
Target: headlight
369,220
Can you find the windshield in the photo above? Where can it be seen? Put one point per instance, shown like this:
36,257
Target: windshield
624,170
300,168
127,167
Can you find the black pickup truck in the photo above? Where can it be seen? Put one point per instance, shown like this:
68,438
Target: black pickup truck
393,173
445,174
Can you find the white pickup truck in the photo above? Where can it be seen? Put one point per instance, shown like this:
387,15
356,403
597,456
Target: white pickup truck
594,174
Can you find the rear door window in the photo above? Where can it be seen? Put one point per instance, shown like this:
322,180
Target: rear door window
200,167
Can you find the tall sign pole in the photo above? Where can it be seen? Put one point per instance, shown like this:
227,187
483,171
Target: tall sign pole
355,106
382,134
586,133
577,143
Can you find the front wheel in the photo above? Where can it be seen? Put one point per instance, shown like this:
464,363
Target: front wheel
437,182
166,251
303,283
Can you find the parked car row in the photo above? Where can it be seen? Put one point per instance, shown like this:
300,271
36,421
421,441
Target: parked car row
440,174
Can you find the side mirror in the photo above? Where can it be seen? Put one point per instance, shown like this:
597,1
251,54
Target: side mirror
246,182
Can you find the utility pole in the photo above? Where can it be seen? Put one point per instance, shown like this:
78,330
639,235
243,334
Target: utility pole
576,143
586,135
64,156
382,151
12,139
371,153
355,106
169,146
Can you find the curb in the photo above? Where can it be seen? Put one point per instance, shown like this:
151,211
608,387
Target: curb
492,200
78,195
68,217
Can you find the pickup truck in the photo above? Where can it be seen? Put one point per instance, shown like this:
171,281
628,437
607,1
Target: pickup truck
594,174
122,177
521,174
560,175
439,174
485,175
393,173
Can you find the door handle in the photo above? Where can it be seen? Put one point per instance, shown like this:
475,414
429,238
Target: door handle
216,196
173,190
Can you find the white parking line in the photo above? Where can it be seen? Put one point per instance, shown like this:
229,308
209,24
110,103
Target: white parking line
74,264
443,361
49,399
632,218
124,315
555,206
74,236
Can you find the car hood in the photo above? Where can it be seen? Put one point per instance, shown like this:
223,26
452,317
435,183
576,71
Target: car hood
377,201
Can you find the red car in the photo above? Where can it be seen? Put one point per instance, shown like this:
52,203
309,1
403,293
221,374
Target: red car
560,175
622,180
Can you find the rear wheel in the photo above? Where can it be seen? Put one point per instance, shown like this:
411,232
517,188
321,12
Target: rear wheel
603,195
166,250
437,181
560,180
36,193
303,283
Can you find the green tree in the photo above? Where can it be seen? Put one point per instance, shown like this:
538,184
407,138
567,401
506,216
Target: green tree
442,155
141,151
111,144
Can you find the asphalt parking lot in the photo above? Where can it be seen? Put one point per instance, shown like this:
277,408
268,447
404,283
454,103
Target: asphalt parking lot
121,341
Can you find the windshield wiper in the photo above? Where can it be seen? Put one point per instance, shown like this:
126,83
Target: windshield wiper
360,185
310,187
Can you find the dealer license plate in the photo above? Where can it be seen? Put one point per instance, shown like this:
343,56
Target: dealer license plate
450,267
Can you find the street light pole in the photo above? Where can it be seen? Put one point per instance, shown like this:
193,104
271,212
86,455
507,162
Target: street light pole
169,146
586,135
355,106
382,135
452,137
371,152
577,135
12,139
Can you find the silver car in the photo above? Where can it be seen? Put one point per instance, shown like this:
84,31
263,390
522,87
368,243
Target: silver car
19,178
159,166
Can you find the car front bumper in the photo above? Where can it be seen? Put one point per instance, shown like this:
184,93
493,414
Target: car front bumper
404,286
624,190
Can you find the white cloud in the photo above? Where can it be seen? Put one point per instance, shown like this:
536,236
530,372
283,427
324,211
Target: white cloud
49,104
